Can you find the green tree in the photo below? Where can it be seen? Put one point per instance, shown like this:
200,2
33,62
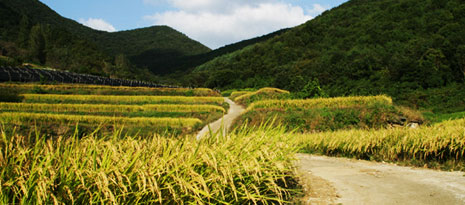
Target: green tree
460,56
312,90
24,32
37,44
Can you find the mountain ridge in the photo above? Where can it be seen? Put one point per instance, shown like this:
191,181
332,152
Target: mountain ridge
124,44
359,48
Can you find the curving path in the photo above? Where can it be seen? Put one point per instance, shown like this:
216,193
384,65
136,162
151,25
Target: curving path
330,180
226,122
349,181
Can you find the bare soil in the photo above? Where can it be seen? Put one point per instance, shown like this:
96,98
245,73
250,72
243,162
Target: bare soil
224,123
349,181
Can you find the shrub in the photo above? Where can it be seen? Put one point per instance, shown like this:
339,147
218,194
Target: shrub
10,95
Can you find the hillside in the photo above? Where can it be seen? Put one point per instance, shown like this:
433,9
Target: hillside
188,63
359,48
152,48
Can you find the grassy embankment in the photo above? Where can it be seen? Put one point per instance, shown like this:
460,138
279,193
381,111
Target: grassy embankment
326,114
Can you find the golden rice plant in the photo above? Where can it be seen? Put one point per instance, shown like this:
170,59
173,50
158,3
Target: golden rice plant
236,94
440,142
322,102
248,167
108,99
101,89
97,108
19,118
262,94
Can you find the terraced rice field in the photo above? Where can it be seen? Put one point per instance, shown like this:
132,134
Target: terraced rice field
140,114
32,88
130,149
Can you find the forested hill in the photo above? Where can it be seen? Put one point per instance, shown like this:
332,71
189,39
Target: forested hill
361,47
188,63
94,51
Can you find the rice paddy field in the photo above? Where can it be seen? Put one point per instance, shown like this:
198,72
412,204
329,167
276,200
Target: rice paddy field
440,145
63,146
173,110
124,149
84,89
330,114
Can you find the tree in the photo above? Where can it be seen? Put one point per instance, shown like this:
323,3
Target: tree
312,90
24,32
37,44
460,55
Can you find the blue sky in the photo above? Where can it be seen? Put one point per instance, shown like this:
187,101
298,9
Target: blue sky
214,23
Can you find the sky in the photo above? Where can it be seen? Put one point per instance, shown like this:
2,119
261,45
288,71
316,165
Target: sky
214,23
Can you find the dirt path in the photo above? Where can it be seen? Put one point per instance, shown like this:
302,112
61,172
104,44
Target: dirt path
348,181
235,111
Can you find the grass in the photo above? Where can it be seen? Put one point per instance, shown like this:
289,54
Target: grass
121,100
262,94
228,93
237,94
247,167
438,146
329,114
437,118
83,89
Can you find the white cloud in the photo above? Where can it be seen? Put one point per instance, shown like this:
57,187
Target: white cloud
220,22
98,24
317,9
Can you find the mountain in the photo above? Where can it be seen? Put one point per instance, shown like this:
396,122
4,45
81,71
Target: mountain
359,48
153,48
188,63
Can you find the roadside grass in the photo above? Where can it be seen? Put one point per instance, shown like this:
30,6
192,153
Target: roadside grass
246,167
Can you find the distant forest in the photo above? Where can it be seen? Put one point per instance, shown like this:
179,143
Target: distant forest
362,47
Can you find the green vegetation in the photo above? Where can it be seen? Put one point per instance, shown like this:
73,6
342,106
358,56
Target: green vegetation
10,95
447,99
436,118
262,94
236,94
359,48
325,114
439,146
35,33
242,168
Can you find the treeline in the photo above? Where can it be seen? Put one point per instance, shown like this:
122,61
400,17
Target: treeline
362,47
24,40
32,32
